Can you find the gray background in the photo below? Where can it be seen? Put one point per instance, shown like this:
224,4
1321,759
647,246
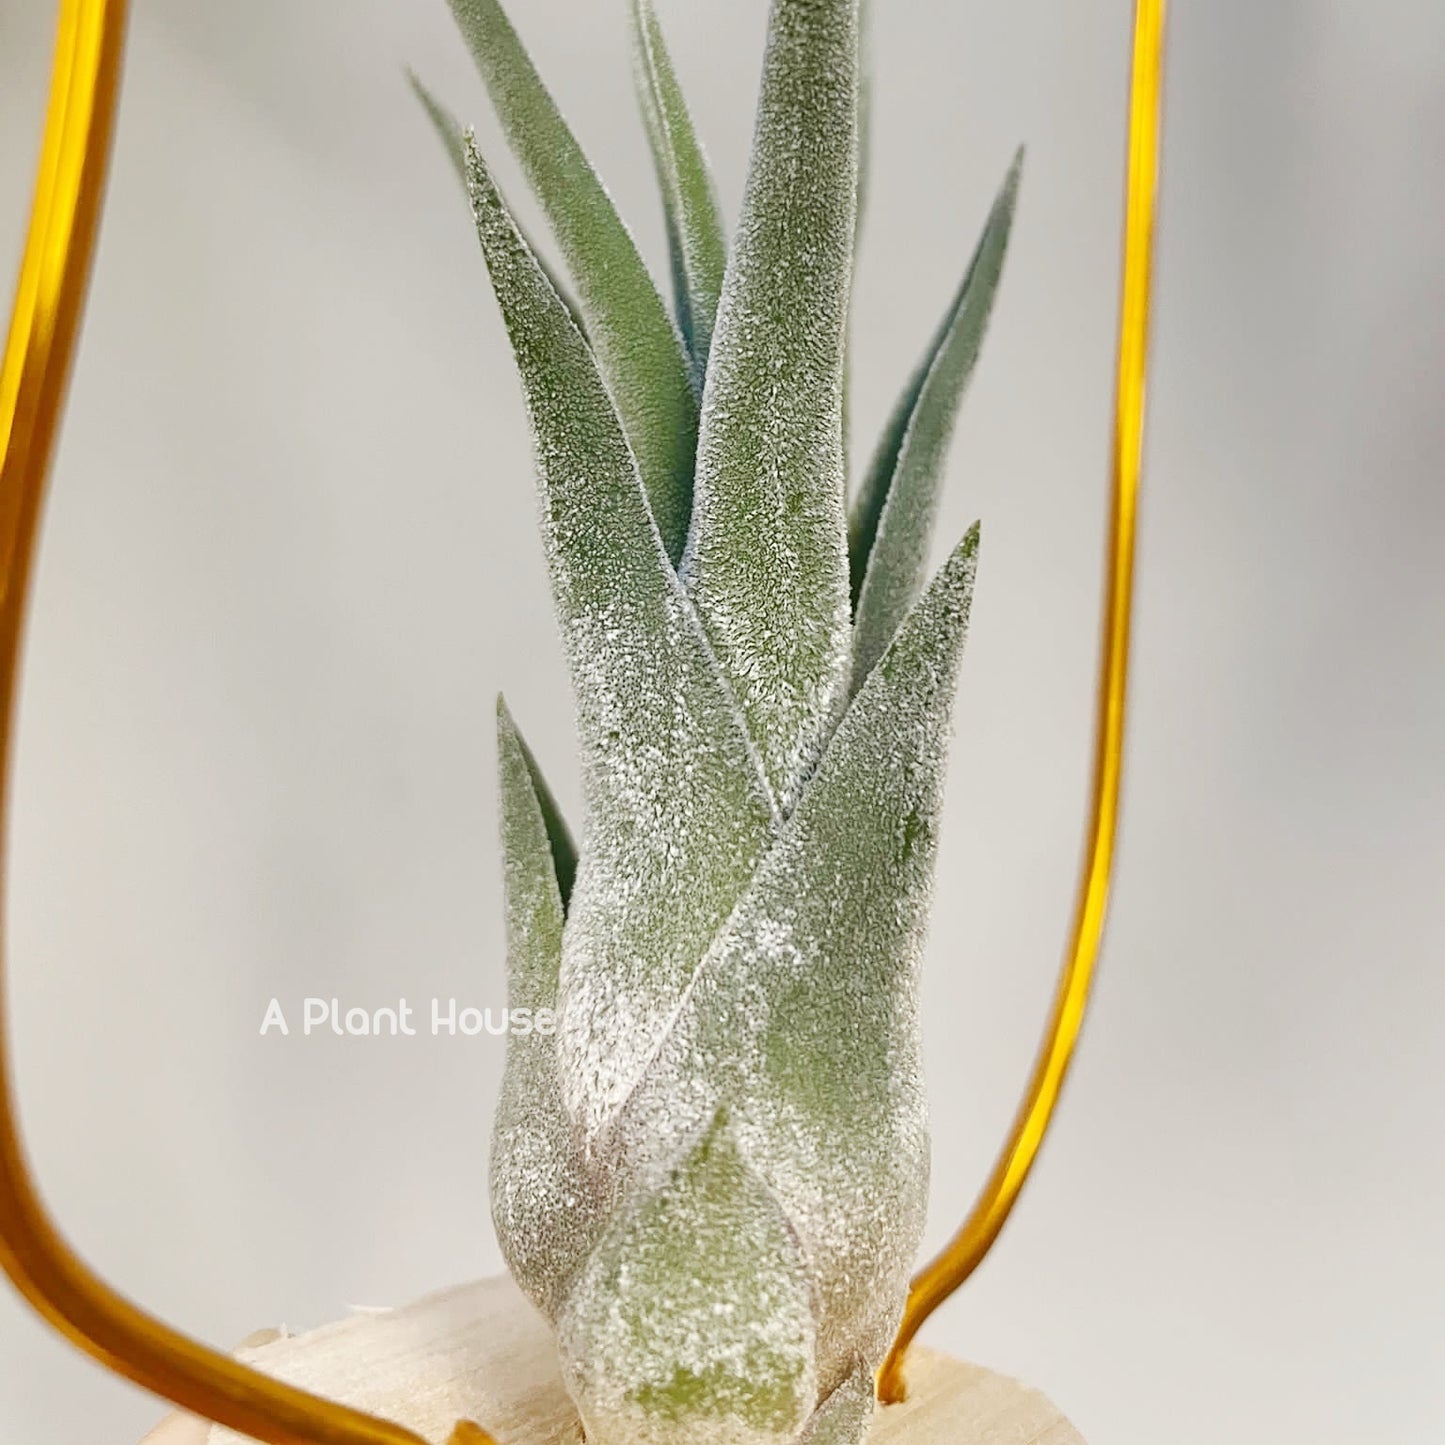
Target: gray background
290,558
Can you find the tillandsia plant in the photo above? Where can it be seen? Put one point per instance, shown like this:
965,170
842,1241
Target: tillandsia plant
694,1180
711,1178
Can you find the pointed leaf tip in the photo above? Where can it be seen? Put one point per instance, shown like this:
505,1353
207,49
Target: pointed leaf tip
638,349
803,1016
767,559
448,128
892,521
694,224
678,811
543,1205
452,135
693,1318
559,836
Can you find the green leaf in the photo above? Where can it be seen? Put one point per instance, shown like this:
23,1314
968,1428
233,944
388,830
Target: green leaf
678,813
892,521
444,122
545,1208
865,169
692,1319
559,835
451,134
865,109
638,349
767,563
689,200
537,854
802,1020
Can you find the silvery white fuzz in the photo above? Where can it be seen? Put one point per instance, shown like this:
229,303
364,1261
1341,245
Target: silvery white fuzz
711,1178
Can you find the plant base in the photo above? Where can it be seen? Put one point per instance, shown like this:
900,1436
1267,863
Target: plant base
481,1352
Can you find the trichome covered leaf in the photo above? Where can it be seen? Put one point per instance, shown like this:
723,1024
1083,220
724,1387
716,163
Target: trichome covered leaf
767,560
892,519
693,1318
545,1205
638,349
695,237
802,1019
712,1177
678,812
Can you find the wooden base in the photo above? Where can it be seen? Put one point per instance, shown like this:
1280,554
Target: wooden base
481,1352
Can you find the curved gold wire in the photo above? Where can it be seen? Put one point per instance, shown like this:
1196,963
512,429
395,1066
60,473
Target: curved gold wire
966,1250
48,303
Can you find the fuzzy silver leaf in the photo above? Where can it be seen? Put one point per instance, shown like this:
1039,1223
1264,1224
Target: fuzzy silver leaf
802,1019
892,519
692,1323
639,351
695,238
452,134
678,814
545,1206
712,1178
843,1418
767,560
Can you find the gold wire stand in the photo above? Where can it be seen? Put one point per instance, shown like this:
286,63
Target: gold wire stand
48,303
938,1279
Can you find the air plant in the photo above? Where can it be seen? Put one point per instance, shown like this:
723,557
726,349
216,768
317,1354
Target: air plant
710,1178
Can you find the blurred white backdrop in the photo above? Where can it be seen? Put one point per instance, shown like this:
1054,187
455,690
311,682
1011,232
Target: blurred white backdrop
290,559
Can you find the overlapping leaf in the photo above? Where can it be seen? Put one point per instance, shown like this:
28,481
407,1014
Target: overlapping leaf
678,814
842,1419
767,557
892,521
638,350
545,1206
713,1177
692,1320
689,201
865,169
451,133
802,1019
